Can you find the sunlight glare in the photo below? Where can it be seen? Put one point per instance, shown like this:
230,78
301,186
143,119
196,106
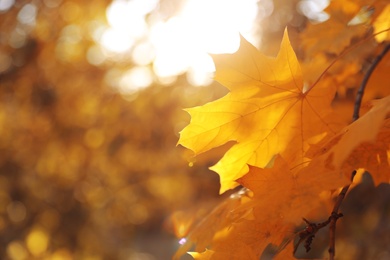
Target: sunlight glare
181,43
202,27
201,71
116,41
95,56
143,53
127,24
172,54
215,25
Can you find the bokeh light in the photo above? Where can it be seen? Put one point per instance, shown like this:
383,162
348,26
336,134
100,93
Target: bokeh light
6,4
16,251
314,9
16,211
201,27
37,241
27,14
179,44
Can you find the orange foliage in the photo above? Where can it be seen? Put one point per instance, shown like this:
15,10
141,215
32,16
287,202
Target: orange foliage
290,148
269,111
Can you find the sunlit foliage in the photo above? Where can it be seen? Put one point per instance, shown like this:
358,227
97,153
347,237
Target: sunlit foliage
92,96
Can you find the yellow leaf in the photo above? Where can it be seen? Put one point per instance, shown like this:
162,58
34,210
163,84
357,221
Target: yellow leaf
382,23
268,111
365,129
362,144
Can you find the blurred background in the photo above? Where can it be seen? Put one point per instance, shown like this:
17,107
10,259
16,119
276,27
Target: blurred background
91,106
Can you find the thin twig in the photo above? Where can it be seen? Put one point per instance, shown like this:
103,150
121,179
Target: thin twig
334,217
310,231
360,93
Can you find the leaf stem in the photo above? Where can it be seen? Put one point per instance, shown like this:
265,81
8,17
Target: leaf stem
360,92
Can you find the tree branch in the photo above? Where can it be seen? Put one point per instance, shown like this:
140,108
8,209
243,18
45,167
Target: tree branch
360,93
333,218
311,229
358,101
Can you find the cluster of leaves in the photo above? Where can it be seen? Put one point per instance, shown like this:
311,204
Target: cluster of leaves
294,147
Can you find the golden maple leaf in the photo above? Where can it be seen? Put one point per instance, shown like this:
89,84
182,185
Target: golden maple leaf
268,111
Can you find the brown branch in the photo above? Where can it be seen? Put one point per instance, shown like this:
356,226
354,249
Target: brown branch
360,93
309,232
311,228
358,101
333,219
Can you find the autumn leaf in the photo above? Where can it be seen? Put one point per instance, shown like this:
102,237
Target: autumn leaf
364,130
268,111
286,195
247,240
286,253
289,149
382,23
217,221
293,193
260,233
376,86
372,156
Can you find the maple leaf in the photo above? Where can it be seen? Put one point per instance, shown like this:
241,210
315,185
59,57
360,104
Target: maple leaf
285,195
334,152
260,233
364,144
293,192
268,111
